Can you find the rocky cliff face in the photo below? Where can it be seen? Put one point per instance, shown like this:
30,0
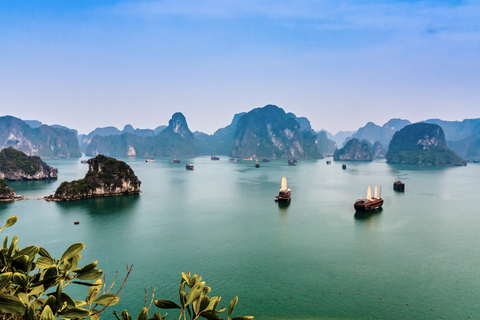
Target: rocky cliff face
16,165
383,134
326,146
175,140
378,150
105,177
44,141
270,132
7,193
355,150
423,144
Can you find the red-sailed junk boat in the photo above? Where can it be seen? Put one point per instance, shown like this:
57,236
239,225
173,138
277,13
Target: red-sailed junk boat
369,203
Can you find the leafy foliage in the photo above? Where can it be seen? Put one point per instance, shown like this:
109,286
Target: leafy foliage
32,285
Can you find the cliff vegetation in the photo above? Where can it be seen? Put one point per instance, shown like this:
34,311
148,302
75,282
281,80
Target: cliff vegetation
16,165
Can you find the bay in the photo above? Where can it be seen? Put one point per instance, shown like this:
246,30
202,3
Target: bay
310,260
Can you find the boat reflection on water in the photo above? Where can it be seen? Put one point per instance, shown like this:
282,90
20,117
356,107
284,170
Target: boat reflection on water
366,215
283,205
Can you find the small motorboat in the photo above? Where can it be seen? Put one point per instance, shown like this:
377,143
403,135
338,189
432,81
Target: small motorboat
189,166
176,160
399,186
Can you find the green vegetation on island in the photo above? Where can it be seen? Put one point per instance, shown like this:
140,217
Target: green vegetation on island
34,285
16,165
424,144
105,177
355,150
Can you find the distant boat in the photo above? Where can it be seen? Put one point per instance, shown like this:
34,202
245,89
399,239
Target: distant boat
248,158
189,166
83,161
399,186
257,164
266,160
76,222
176,160
344,166
291,162
212,157
369,203
233,159
149,160
284,194
329,162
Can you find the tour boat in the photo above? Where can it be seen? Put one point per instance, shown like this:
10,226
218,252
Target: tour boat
344,166
248,158
284,193
292,162
257,164
399,186
329,162
233,159
84,161
369,203
176,160
149,160
266,160
189,166
212,157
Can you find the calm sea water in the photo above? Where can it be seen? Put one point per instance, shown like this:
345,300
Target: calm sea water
311,260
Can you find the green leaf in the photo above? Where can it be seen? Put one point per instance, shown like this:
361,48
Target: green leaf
232,305
5,242
107,298
11,221
95,316
126,315
13,246
20,279
195,292
79,303
44,262
143,314
212,305
51,302
20,262
90,274
166,304
29,313
73,250
74,261
185,277
5,279
30,251
88,267
75,313
243,318
94,290
11,304
65,298
88,284
47,314
211,316
44,253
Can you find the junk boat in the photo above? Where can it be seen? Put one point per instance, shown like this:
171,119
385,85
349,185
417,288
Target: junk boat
257,164
176,160
369,203
212,157
189,166
399,186
233,159
284,193
248,158
292,162
266,160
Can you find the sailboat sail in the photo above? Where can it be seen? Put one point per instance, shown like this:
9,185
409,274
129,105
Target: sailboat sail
376,191
369,193
284,184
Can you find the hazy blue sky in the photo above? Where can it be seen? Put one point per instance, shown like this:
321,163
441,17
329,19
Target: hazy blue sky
85,64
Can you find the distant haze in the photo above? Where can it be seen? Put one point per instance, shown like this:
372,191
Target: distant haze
341,64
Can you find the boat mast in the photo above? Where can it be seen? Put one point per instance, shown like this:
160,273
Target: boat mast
369,193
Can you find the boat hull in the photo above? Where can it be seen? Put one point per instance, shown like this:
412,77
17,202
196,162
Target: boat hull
283,196
368,205
398,186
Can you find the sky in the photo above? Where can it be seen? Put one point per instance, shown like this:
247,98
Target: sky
86,64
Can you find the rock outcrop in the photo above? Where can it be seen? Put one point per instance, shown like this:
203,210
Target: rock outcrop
270,132
355,150
7,193
105,177
378,150
175,140
326,146
422,144
16,165
44,141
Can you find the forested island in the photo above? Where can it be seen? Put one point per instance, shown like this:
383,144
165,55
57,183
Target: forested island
16,165
105,177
